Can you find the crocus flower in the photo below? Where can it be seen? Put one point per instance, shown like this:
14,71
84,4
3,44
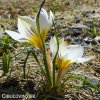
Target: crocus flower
27,30
67,55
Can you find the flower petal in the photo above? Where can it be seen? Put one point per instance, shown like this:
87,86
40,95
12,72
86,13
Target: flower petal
51,15
51,18
74,52
84,59
43,19
53,45
62,46
16,36
26,25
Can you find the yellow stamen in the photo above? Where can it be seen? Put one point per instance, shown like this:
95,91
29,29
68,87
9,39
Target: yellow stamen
63,63
63,66
35,39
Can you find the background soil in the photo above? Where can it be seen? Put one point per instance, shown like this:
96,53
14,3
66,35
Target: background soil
68,13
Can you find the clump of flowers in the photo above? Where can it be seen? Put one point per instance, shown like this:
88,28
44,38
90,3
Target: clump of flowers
63,55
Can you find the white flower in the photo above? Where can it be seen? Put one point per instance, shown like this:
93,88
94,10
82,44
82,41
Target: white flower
28,31
45,20
68,54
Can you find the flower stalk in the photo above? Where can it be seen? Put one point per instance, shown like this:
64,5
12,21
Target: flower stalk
44,48
54,60
24,66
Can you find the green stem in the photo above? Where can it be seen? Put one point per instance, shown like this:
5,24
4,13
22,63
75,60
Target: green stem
44,52
54,60
42,70
24,66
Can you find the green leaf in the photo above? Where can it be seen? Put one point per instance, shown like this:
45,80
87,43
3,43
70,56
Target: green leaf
37,18
54,60
6,62
44,52
86,82
35,56
24,66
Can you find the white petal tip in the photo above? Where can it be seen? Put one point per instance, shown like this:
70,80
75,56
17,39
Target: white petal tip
51,15
84,59
16,36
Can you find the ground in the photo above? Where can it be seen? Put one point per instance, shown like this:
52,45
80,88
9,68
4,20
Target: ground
68,13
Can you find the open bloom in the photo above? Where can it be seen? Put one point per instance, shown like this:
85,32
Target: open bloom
28,30
67,55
